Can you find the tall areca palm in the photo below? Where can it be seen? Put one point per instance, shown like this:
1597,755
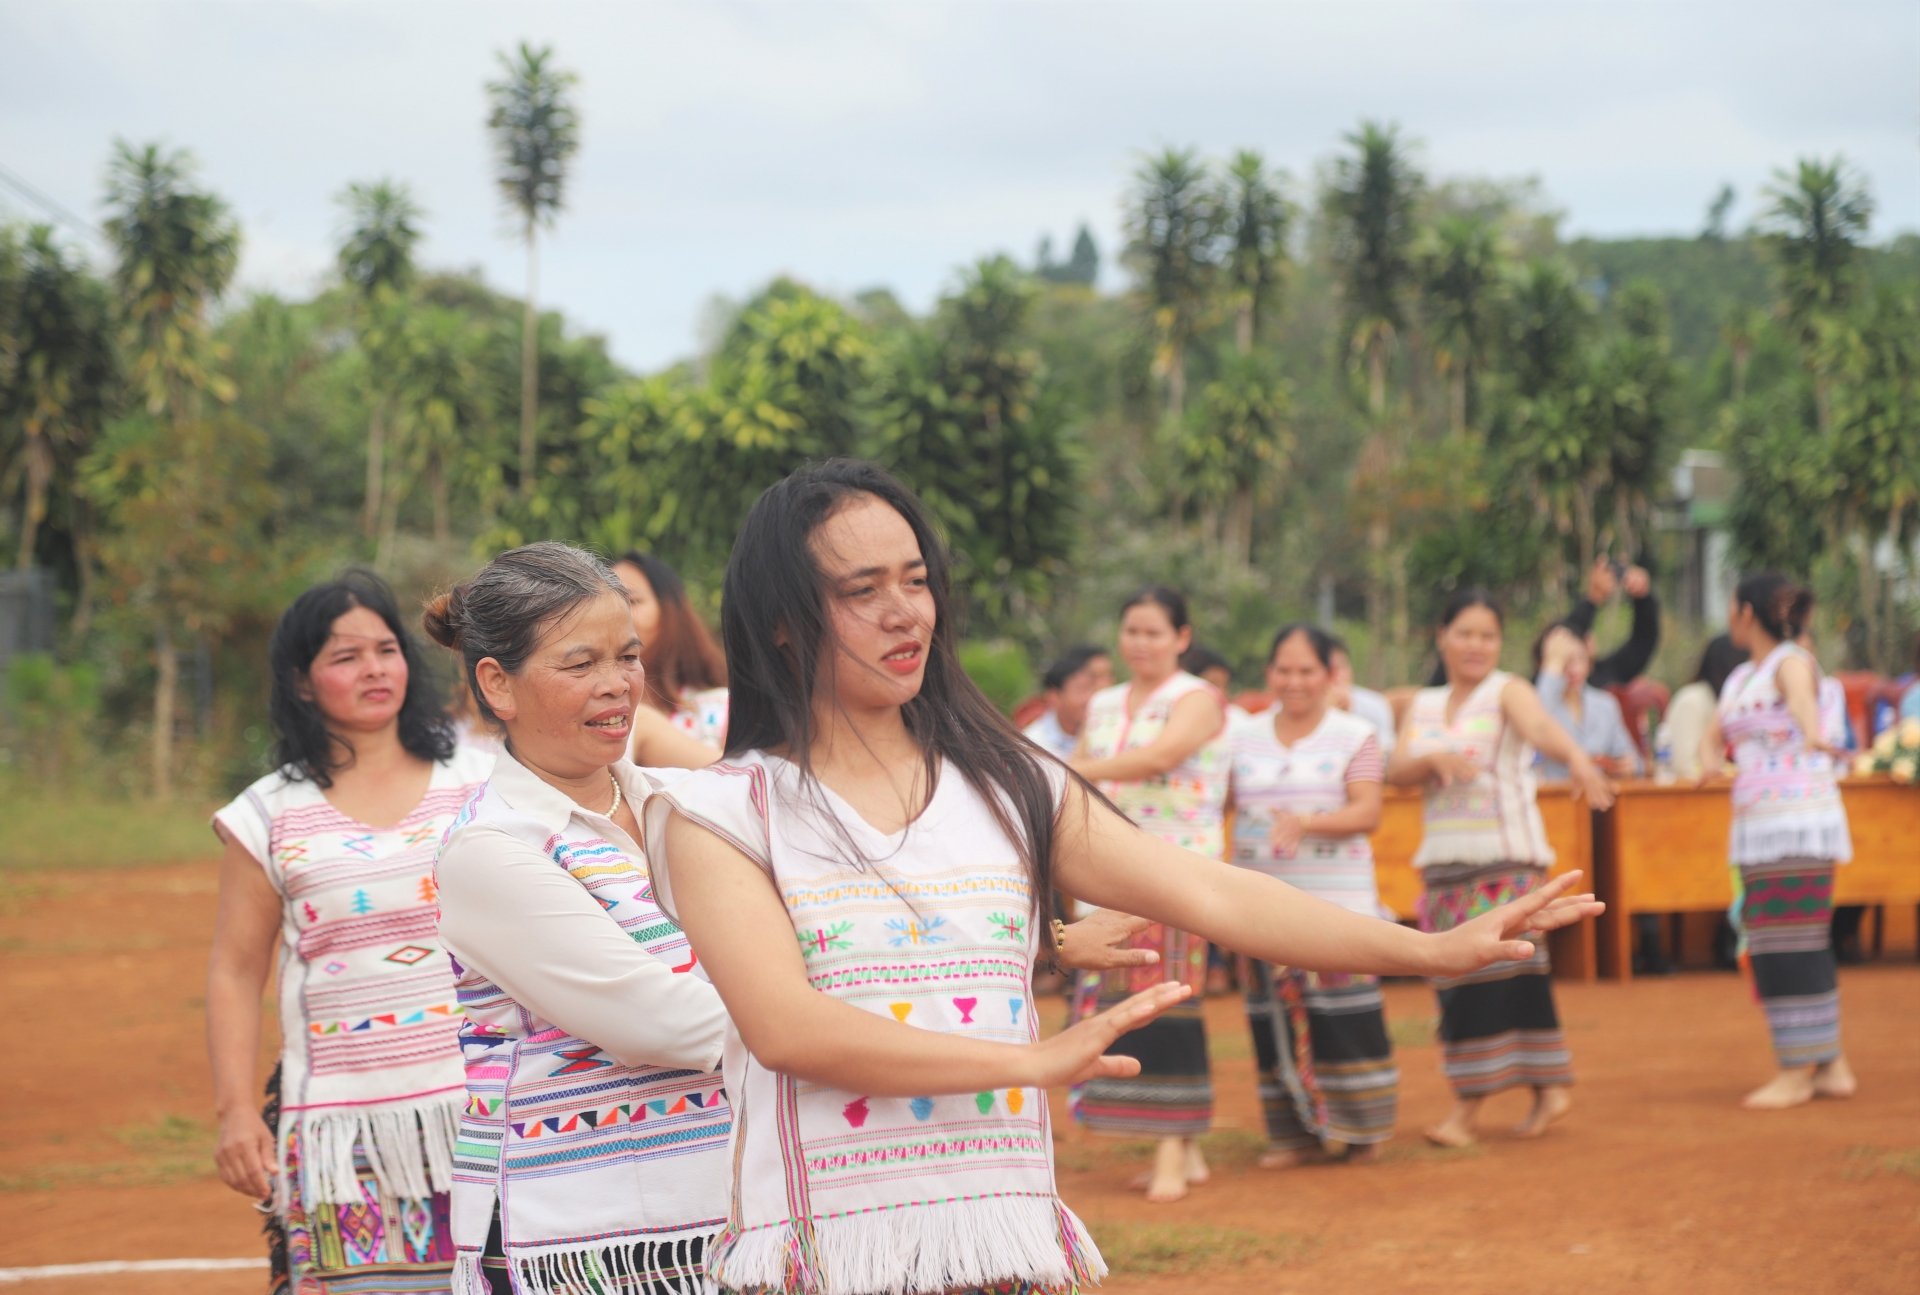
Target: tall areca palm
1741,330
176,250
442,399
376,260
1173,234
1816,217
535,135
1370,202
1459,264
1256,216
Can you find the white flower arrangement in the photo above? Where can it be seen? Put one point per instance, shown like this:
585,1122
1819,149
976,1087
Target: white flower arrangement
1895,752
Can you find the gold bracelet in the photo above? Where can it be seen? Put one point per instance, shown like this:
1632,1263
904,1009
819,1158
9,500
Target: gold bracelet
1059,936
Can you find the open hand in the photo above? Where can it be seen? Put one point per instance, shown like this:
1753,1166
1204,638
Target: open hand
1078,1053
1636,583
1497,935
1591,785
1285,834
1098,942
245,1154
1601,582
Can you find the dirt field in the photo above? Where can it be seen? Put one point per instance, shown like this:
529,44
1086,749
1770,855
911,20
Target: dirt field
1657,1184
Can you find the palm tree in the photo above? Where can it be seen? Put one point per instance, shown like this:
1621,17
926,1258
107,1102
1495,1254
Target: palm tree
1237,446
1370,201
1741,332
176,250
376,260
58,376
1173,229
1459,264
1816,217
442,398
1256,216
535,134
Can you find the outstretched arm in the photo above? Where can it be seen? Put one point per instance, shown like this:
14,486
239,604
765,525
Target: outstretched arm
1524,711
1108,861
741,931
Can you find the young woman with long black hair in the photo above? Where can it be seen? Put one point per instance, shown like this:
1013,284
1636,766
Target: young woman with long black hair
865,877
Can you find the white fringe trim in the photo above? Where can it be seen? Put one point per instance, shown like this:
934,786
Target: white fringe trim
1471,850
939,1246
409,1147
1824,839
594,1266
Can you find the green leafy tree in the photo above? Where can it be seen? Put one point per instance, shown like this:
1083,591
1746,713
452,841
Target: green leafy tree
1461,271
1741,329
962,413
1369,204
1634,381
176,249
58,371
1816,216
1255,217
1173,228
1875,443
1234,449
444,400
376,261
536,132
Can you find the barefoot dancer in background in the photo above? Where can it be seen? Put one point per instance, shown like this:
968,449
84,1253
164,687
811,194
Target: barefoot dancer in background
1469,743
1306,791
862,879
333,854
1157,746
1789,834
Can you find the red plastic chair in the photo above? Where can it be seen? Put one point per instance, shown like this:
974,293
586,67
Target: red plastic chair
1029,710
1861,687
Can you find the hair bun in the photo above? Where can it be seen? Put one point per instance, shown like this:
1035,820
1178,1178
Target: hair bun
441,618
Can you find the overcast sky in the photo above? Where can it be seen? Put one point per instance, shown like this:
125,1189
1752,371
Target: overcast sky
856,145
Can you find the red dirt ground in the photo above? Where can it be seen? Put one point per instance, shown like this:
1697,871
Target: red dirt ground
1658,1182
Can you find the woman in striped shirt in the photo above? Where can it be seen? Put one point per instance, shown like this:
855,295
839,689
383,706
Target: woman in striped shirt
1305,792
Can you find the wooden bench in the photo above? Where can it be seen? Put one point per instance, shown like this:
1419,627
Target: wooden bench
1663,849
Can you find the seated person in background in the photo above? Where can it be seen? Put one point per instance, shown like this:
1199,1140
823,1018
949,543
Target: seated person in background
1630,660
1069,684
1369,705
1910,702
1561,666
1692,707
1208,665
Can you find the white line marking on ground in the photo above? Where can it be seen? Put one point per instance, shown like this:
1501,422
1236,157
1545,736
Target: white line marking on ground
114,1266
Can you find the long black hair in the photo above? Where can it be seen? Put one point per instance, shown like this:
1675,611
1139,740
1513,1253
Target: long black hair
775,628
303,746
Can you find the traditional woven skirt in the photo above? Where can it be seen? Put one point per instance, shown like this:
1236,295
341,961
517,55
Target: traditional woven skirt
378,1245
1498,1026
1172,1096
1782,913
1325,1064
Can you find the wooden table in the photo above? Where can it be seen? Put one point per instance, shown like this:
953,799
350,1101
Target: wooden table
1663,849
1569,827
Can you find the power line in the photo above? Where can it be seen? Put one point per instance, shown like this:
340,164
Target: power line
50,205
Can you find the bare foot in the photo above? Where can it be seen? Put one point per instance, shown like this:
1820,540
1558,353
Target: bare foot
1550,1105
1194,1166
1197,1170
1288,1157
1457,1129
1835,1079
1788,1088
1451,1132
1362,1154
1168,1181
